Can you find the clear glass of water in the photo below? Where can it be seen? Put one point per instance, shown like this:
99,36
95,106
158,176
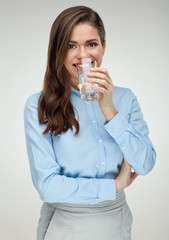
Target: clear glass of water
86,90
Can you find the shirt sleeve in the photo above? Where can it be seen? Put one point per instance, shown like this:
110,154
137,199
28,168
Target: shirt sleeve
132,138
50,184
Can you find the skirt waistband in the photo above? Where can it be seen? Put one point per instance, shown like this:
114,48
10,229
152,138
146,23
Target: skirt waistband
86,207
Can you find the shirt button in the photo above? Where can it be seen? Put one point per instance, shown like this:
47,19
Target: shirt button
100,140
123,148
103,163
94,121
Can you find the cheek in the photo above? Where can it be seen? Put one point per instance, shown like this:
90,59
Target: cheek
99,60
67,64
99,56
67,59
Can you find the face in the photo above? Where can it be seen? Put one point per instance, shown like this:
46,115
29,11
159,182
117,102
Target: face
84,43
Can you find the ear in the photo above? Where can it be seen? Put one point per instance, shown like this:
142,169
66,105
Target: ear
104,46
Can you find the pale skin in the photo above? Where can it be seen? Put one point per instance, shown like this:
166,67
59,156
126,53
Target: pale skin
85,43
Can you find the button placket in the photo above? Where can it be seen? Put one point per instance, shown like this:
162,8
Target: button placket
101,151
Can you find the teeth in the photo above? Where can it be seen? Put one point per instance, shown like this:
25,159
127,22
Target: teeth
83,65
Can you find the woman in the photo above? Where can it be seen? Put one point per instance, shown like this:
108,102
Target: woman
81,154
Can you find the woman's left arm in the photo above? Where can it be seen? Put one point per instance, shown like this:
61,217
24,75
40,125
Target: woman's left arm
130,135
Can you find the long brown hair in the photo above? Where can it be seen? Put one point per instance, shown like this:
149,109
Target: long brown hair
55,108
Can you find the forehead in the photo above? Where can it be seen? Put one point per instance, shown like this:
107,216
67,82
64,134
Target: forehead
84,31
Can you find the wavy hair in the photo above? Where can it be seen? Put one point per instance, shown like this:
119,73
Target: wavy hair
55,108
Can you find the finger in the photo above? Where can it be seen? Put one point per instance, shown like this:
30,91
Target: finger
133,176
99,97
101,75
96,74
102,83
102,89
101,70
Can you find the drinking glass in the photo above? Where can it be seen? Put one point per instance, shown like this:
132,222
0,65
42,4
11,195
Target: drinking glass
86,90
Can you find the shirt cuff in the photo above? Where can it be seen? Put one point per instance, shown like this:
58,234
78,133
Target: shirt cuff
107,189
117,126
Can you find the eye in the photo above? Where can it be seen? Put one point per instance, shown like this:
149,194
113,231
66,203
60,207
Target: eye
71,46
93,44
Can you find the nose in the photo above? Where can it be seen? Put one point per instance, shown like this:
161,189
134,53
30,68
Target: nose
82,53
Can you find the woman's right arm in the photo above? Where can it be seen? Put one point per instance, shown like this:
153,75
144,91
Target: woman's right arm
45,170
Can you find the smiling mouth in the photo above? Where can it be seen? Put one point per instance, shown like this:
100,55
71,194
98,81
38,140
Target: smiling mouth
82,65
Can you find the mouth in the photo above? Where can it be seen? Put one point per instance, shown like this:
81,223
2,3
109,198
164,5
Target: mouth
80,65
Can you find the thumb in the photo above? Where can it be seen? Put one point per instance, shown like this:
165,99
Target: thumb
99,97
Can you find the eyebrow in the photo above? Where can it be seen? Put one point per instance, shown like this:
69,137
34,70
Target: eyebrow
90,40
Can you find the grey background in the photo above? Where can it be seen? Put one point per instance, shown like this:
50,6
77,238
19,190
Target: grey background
137,57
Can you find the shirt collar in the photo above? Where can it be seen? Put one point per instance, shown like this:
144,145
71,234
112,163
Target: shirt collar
76,92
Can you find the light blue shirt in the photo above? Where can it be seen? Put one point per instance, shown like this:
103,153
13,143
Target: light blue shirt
82,168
